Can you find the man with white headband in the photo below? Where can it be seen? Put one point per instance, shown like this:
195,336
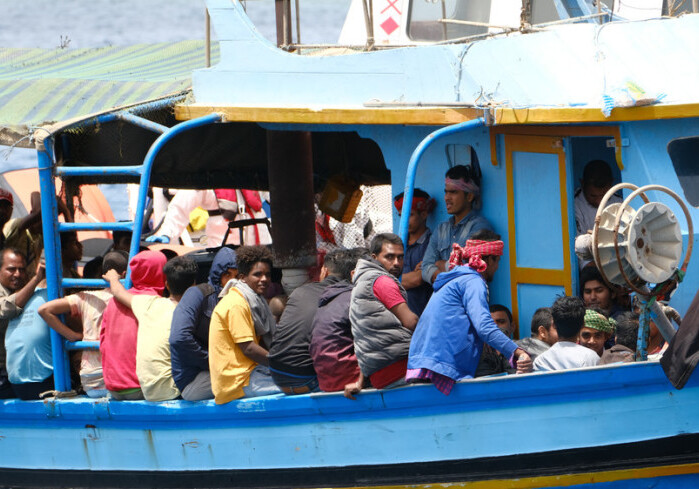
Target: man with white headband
448,340
462,198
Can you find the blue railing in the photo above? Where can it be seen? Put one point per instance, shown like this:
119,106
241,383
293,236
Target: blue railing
48,171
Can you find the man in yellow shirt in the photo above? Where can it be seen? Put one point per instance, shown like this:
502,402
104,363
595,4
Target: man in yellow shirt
237,360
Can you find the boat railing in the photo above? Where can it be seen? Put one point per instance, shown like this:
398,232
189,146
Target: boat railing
48,171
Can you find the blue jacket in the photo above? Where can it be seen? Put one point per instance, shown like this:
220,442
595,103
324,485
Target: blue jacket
449,337
189,334
448,233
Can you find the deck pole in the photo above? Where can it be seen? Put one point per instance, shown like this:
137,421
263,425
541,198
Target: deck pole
290,165
52,252
415,160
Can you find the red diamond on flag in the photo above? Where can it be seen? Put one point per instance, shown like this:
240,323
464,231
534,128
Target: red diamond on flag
389,25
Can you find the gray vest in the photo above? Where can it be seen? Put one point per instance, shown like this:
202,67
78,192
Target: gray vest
379,337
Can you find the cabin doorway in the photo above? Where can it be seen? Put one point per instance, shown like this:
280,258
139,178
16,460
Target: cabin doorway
540,223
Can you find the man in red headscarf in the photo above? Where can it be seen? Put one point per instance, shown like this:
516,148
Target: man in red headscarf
448,340
418,290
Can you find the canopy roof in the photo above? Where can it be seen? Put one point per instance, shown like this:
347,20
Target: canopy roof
39,86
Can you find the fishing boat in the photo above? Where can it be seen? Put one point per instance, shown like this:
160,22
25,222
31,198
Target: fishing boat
529,105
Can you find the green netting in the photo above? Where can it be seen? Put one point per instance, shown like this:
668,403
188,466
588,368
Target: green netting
39,87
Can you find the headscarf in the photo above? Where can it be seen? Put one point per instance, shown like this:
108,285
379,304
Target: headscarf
419,204
473,251
460,184
147,273
225,258
595,320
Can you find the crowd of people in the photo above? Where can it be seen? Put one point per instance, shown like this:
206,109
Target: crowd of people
382,316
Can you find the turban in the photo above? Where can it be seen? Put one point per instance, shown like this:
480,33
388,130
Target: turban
419,204
595,320
473,251
469,187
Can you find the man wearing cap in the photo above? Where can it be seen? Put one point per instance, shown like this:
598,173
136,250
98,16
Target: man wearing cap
418,290
448,340
462,198
596,331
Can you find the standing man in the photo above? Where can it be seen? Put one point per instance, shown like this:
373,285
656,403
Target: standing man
596,181
382,323
462,198
15,292
418,290
449,338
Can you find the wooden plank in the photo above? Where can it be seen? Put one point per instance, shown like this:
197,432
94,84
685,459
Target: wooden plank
432,116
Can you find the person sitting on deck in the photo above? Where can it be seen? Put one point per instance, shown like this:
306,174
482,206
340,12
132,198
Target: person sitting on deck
597,294
596,331
462,198
382,323
290,360
119,331
493,362
625,340
89,307
189,335
568,317
596,181
419,291
239,324
154,315
71,253
543,333
332,343
449,338
15,292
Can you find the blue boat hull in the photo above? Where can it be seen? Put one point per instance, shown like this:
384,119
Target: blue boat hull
605,425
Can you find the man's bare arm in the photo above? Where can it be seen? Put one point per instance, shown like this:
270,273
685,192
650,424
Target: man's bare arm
121,295
23,295
406,317
254,352
50,311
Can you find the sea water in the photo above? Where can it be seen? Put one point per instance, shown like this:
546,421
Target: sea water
70,24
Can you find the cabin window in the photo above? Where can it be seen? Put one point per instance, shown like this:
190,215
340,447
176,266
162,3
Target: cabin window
683,153
429,20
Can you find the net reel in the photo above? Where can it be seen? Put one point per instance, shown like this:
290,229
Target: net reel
634,248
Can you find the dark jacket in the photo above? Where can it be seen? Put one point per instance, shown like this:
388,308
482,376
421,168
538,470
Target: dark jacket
332,344
189,334
682,355
616,354
289,352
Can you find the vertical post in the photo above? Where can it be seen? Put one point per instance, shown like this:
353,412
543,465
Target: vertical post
525,20
52,253
290,165
208,39
282,9
643,332
695,6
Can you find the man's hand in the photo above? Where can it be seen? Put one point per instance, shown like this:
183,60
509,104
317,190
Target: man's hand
441,265
524,361
352,389
111,276
41,269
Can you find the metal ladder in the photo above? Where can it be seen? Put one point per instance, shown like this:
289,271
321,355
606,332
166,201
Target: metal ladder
48,171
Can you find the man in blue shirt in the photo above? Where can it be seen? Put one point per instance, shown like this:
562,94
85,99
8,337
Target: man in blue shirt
418,290
462,197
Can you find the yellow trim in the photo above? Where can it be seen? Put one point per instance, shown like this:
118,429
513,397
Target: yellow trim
430,116
435,115
567,115
561,480
538,276
560,131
